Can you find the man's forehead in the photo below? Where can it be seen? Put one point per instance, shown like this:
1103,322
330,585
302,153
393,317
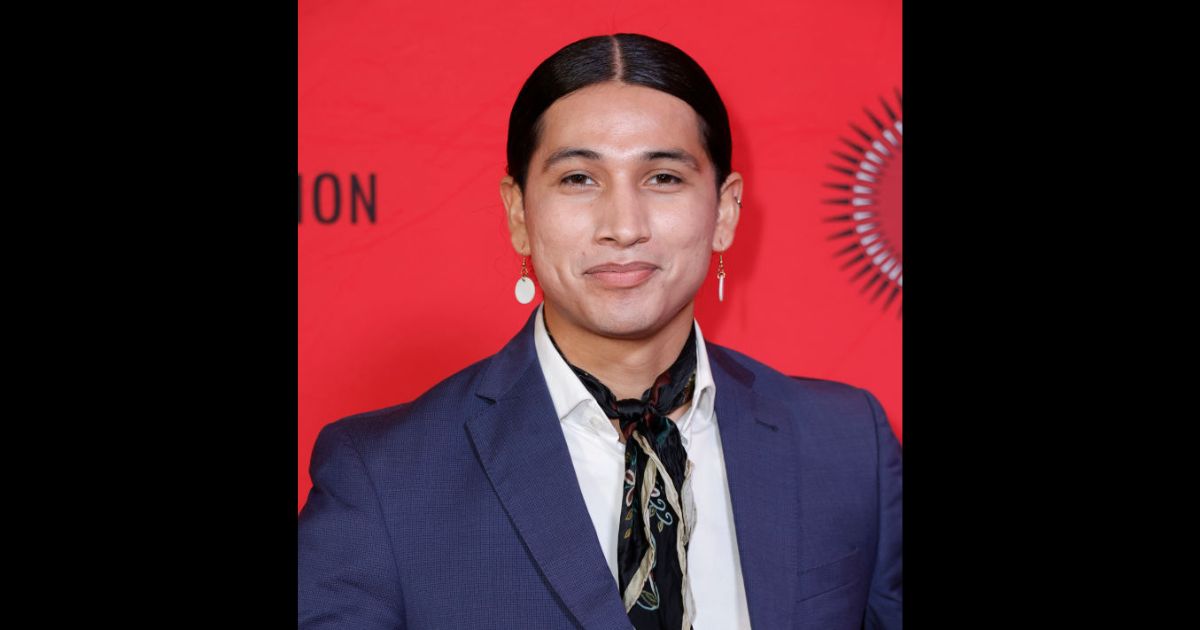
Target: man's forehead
620,124
594,140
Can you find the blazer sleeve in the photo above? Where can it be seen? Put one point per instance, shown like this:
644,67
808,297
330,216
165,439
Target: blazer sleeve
347,572
884,609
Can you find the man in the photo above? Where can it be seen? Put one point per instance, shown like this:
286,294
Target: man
495,499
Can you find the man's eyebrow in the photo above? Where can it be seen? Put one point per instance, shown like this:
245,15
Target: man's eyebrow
649,156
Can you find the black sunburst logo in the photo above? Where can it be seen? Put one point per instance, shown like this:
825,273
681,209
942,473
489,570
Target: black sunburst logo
873,224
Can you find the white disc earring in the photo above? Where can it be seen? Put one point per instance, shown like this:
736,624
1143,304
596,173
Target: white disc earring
524,285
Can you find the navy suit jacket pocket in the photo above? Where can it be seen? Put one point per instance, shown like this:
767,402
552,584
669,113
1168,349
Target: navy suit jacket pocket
830,575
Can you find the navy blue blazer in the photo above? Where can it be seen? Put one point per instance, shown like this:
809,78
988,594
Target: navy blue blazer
461,509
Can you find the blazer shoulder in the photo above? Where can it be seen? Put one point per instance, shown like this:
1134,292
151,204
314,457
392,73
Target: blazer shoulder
436,410
769,379
816,405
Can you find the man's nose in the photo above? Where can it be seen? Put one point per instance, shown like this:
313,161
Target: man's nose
623,217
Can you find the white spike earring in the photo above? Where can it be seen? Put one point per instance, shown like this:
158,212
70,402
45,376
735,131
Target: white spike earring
720,278
524,285
721,267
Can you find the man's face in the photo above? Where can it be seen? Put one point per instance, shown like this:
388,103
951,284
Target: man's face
614,205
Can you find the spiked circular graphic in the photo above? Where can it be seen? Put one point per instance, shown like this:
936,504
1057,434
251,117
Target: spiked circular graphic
872,225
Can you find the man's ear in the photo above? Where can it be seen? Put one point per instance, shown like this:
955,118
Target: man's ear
514,205
728,212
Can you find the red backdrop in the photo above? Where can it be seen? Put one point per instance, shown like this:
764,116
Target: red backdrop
406,271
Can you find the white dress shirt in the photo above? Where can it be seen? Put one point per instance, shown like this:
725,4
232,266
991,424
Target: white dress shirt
598,455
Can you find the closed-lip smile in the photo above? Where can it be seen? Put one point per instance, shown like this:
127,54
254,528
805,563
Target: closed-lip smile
621,275
621,267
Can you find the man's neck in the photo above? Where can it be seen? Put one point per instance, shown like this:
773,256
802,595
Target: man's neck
628,367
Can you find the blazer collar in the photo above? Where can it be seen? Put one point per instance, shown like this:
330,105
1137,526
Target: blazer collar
520,444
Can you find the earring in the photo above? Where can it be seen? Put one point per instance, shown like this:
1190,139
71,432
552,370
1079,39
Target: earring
720,278
524,285
721,267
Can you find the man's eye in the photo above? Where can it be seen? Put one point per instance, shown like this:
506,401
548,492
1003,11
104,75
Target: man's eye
575,179
668,175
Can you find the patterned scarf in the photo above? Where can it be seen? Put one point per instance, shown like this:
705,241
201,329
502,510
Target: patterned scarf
653,538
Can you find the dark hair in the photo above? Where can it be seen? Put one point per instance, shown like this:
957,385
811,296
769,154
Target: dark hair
628,58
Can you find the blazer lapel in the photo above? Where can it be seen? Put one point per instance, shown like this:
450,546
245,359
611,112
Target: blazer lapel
521,446
762,488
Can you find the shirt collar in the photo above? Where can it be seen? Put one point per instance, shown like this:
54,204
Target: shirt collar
568,393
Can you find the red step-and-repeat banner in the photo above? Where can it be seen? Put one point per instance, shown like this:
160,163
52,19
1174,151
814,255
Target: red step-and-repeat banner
406,270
